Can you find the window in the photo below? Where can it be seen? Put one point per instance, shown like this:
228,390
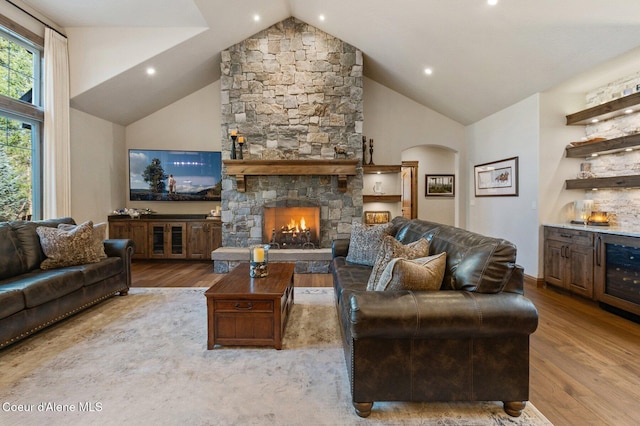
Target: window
20,128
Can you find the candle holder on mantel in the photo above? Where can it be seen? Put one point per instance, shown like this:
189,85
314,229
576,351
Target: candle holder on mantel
364,150
371,152
234,136
259,261
240,145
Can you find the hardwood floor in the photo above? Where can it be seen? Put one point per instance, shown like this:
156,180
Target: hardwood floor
585,361
198,274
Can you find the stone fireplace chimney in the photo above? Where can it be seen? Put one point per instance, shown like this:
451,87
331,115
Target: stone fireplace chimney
292,92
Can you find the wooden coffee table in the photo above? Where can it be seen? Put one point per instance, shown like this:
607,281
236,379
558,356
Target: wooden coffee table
250,311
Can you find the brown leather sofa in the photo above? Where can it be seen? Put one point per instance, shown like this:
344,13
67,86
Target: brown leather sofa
32,298
467,342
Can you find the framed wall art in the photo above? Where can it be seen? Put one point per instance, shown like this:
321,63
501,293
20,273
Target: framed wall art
498,178
376,217
439,185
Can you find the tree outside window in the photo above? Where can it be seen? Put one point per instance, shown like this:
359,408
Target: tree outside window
19,77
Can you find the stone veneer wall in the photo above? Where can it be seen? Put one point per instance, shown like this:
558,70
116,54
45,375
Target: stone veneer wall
293,92
622,204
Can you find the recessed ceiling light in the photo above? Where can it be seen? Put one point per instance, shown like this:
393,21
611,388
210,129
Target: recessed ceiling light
321,17
492,2
628,111
594,154
595,120
256,18
428,71
151,71
629,149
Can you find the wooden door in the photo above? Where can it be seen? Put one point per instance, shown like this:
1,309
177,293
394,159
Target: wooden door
580,279
409,189
138,233
198,236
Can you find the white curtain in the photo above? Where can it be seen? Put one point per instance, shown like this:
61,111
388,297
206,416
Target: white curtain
56,179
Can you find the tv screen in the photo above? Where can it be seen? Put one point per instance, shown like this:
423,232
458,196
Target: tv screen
157,175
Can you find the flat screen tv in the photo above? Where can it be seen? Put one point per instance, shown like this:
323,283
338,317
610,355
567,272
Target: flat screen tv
163,175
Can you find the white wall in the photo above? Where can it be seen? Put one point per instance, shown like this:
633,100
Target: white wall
512,132
191,124
397,124
98,167
98,54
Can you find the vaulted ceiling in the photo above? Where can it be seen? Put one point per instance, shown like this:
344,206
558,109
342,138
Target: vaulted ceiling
483,58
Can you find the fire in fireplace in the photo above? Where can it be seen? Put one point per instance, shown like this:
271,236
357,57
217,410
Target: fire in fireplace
291,227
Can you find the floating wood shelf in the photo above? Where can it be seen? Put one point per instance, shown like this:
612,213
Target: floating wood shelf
242,168
604,111
381,198
631,181
373,169
604,147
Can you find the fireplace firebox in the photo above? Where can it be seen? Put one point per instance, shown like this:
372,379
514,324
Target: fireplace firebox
291,227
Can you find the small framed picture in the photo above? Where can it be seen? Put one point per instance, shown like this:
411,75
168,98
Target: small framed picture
376,217
440,186
498,178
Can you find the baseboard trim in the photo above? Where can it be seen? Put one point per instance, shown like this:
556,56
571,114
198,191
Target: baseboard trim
537,282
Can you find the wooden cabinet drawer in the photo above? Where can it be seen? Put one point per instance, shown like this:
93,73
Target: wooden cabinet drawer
240,306
571,236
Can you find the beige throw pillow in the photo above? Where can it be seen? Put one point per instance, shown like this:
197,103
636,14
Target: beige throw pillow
67,248
391,249
425,273
99,235
365,242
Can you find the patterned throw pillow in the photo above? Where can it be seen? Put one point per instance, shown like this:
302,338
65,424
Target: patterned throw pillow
391,249
67,248
425,273
99,235
365,242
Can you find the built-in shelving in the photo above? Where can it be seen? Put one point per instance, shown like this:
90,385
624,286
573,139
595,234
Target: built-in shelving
382,198
631,181
605,111
608,146
371,169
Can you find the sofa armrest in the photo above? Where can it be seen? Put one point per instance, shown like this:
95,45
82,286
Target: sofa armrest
439,314
119,248
340,248
123,249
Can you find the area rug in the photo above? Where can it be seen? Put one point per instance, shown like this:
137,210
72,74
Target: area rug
142,360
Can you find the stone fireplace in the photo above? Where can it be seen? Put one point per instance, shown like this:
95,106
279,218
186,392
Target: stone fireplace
286,227
294,93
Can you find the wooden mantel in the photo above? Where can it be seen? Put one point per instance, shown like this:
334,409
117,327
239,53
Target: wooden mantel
242,168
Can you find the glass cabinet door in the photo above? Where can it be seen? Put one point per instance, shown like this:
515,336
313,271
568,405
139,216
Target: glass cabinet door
158,239
177,238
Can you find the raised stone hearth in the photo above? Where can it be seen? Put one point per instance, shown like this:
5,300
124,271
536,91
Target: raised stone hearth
307,261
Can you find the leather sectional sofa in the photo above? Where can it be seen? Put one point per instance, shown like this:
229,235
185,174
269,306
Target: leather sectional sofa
32,298
467,342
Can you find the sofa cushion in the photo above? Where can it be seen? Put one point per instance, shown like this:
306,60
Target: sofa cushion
29,240
41,286
95,272
424,273
391,249
12,261
365,242
67,248
11,301
99,235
